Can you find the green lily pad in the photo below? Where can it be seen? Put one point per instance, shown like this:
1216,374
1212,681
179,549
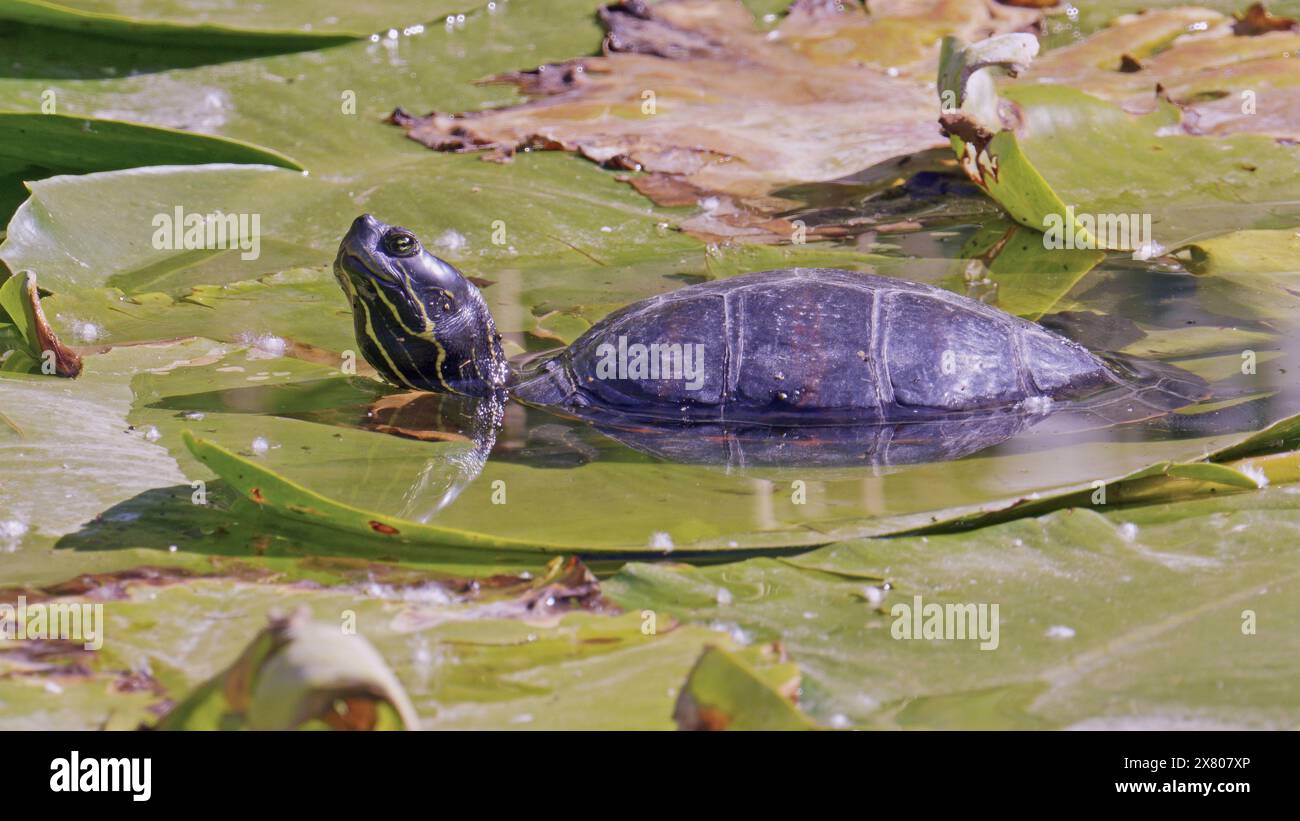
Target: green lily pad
1141,618
726,692
527,656
81,144
300,24
1074,166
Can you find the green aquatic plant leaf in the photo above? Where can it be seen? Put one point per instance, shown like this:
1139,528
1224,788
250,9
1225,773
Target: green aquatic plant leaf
1073,165
727,691
298,674
539,650
1255,462
183,22
1031,279
287,219
72,144
1151,617
1227,76
265,488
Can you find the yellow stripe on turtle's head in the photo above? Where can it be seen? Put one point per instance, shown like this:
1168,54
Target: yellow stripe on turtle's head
418,320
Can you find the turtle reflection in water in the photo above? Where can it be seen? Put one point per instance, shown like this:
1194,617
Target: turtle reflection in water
804,366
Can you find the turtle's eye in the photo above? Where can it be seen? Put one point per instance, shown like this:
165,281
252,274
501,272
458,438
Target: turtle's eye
401,244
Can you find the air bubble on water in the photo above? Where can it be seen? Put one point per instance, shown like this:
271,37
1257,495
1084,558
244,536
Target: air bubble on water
660,540
430,593
1148,250
1038,405
874,595
1059,631
84,331
1128,532
738,634
451,240
151,434
194,416
606,229
261,446
11,530
422,656
724,596
1256,475
264,346
374,38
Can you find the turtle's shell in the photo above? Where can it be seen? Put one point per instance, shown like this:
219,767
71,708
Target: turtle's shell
801,345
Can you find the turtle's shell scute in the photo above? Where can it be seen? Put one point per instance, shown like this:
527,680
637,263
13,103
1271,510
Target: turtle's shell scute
799,345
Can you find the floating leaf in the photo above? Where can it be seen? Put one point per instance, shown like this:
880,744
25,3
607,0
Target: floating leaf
1063,161
1226,78
264,488
1140,618
80,144
183,22
690,92
725,692
299,674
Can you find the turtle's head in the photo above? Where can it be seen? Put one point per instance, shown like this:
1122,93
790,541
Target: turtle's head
419,322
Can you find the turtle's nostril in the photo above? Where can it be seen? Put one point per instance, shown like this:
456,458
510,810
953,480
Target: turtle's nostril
366,227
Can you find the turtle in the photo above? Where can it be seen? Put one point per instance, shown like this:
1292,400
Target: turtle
854,361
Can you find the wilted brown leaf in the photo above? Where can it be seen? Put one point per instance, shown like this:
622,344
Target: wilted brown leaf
692,93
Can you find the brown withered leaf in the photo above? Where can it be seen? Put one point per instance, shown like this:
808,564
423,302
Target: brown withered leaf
692,93
39,338
566,585
1257,20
